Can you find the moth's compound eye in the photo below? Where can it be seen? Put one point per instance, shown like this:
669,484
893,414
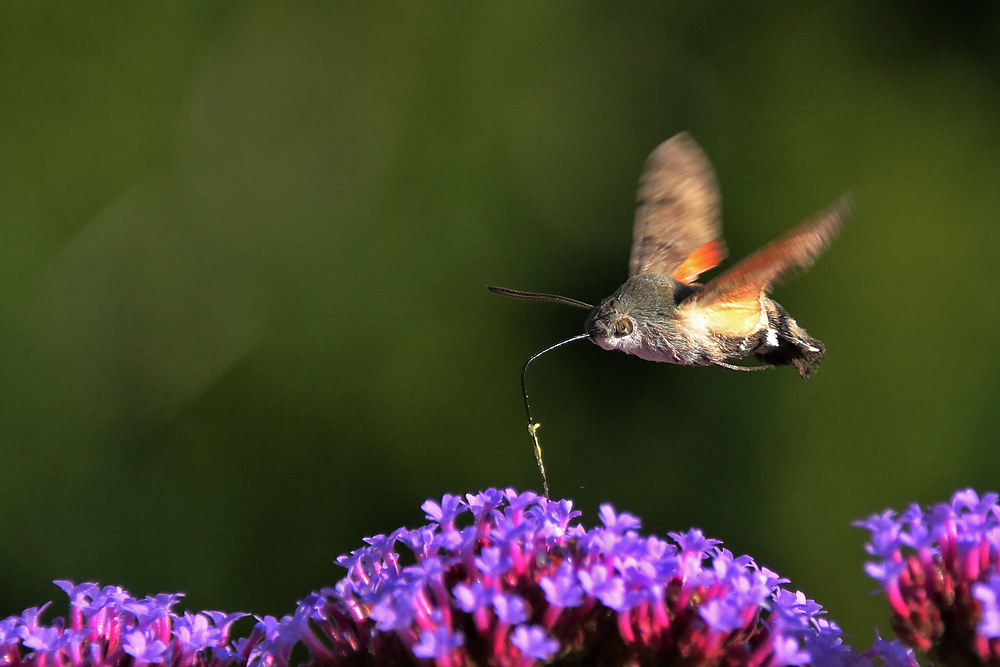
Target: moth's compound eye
623,327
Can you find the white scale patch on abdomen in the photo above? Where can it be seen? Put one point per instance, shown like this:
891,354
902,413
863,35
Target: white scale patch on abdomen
771,338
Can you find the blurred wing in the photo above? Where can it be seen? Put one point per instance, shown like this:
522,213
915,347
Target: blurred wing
735,294
677,227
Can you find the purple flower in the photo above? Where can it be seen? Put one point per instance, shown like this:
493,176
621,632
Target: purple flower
788,652
600,583
724,615
195,631
561,589
988,595
471,597
138,645
518,502
42,638
693,542
939,571
109,627
482,504
496,578
437,643
510,609
444,513
893,654
618,523
223,622
492,563
393,611
533,642
523,583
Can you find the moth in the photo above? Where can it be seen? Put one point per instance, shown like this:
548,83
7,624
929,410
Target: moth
662,313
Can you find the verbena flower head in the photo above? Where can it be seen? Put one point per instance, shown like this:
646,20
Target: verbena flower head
519,583
497,578
939,571
109,627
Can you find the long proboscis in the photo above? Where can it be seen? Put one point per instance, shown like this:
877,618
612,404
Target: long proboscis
538,296
532,426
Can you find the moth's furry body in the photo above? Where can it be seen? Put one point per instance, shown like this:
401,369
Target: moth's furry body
662,329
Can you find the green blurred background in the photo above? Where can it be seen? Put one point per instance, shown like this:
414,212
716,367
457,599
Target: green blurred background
244,246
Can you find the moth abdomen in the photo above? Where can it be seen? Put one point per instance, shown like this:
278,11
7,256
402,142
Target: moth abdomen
785,343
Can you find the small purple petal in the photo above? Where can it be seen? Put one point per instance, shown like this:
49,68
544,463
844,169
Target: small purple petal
482,504
437,643
41,638
693,542
492,562
394,611
138,646
562,589
444,513
722,615
510,609
788,652
471,597
618,523
988,595
609,589
195,631
893,653
534,642
519,501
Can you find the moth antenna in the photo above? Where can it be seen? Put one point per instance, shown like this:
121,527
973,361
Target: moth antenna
532,426
538,296
734,367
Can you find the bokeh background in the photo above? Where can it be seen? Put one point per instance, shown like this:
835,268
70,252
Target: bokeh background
243,251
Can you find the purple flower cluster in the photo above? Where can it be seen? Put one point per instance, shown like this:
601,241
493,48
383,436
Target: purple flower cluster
108,627
498,578
520,584
939,571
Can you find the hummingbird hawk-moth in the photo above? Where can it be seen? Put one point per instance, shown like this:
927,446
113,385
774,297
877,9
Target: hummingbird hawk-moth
661,313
